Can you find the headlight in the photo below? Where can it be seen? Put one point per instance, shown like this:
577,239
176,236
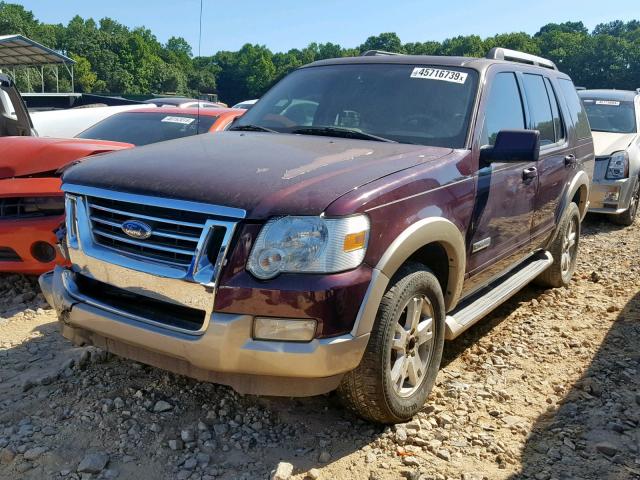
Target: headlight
618,166
309,245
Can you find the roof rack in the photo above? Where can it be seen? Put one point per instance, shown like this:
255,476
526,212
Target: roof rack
498,53
375,53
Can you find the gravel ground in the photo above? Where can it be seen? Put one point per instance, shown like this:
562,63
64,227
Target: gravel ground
545,388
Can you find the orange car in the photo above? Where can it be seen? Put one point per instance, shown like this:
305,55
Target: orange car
151,125
31,203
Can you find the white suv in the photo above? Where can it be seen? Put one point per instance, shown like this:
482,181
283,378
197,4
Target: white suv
614,116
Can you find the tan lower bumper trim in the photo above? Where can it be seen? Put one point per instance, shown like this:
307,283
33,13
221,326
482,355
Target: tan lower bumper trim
224,353
242,383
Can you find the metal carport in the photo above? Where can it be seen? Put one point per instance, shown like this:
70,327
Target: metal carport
18,52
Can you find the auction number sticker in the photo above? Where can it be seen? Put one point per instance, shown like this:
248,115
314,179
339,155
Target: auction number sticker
439,74
181,120
608,102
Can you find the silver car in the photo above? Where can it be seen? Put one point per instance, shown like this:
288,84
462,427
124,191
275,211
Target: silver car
614,116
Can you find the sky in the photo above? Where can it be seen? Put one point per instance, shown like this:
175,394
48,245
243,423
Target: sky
285,24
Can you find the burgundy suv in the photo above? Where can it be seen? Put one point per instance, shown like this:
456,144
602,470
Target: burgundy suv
364,211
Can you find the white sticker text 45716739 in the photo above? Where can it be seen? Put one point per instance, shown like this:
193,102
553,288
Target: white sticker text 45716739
429,73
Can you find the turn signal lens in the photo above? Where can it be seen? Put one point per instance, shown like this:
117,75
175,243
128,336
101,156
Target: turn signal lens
355,241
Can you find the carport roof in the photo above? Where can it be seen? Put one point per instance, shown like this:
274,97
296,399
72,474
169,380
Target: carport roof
20,51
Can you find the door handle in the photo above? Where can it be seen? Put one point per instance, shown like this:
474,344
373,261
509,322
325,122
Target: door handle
570,161
529,173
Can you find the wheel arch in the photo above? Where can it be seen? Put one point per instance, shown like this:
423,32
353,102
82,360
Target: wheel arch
577,191
416,243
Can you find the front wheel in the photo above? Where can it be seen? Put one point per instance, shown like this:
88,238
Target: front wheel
627,217
401,362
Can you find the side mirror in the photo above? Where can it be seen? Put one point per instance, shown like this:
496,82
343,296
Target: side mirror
513,146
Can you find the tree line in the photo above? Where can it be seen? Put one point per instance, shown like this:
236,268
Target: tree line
113,58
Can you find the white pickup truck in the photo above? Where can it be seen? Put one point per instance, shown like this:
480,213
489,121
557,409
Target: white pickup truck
14,117
16,121
72,122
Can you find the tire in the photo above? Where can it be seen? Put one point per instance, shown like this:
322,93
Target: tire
564,249
369,390
627,217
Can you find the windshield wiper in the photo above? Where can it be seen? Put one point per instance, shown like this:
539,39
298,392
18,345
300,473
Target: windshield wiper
252,128
341,133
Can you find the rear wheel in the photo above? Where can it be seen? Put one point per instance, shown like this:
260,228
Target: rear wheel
629,215
564,249
400,364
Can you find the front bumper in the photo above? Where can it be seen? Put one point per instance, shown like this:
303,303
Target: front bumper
21,235
224,352
610,196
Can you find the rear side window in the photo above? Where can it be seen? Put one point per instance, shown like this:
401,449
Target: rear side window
504,108
576,109
557,118
540,108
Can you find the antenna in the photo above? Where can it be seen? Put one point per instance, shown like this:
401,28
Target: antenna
199,55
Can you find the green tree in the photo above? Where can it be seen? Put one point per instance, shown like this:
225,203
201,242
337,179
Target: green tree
423,48
465,46
16,19
516,41
113,58
85,77
389,42
566,27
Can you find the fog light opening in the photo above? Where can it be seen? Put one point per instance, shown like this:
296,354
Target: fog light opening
612,196
43,252
284,329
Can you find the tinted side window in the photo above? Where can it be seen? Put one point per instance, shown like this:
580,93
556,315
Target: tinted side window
503,109
576,109
540,108
557,119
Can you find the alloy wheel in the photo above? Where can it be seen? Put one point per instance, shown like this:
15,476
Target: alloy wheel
412,345
569,245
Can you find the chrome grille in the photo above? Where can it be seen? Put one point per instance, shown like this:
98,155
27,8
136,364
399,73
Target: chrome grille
175,233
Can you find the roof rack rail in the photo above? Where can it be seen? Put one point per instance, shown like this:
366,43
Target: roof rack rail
579,89
375,53
498,53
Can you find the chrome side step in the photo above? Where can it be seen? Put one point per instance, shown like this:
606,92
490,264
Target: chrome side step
475,308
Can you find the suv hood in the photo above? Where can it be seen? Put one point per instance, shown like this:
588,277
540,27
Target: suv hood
263,173
606,143
28,156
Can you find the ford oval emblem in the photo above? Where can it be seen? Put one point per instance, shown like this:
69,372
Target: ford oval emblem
136,229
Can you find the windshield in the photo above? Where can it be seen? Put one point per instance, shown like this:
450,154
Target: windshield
610,115
402,103
146,128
